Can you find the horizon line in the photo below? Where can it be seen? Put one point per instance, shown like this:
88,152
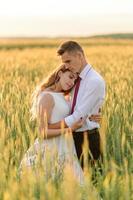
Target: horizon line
65,36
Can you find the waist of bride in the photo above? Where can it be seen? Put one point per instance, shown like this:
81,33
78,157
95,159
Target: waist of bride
60,144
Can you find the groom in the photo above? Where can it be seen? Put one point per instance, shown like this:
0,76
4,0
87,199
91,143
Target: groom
87,98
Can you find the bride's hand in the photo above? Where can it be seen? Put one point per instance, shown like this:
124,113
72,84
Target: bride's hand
78,124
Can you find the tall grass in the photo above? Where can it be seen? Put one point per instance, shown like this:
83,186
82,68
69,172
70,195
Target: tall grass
20,72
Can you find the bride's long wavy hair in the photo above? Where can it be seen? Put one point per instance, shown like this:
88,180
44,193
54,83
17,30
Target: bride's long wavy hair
48,82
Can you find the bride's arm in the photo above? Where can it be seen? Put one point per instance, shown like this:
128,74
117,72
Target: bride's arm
57,125
45,107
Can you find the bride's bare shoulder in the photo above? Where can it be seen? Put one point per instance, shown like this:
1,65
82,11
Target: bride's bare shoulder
46,98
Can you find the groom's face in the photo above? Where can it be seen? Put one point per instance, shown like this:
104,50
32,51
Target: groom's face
72,60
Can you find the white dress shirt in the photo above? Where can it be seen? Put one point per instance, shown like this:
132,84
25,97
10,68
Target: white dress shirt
90,98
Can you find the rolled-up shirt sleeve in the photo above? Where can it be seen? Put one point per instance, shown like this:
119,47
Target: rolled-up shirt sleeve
93,93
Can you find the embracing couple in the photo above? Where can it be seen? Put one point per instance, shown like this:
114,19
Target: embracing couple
70,97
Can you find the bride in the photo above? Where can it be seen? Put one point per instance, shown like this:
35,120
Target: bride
55,147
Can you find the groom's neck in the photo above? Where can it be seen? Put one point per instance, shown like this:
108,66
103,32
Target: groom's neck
83,66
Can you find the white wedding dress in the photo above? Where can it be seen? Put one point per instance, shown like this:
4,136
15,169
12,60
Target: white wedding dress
57,152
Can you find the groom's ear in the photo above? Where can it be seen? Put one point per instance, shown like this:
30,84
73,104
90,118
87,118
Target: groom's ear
79,54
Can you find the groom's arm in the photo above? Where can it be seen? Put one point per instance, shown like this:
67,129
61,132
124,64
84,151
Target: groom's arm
62,123
94,92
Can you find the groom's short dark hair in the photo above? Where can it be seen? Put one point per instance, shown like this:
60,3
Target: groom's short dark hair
69,46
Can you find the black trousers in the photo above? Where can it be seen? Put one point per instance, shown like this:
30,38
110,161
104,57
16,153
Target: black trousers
93,138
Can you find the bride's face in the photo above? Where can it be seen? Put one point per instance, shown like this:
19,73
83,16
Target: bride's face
67,80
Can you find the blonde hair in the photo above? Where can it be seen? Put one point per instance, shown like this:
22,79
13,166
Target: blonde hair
49,82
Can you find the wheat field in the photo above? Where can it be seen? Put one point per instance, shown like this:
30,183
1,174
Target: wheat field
23,64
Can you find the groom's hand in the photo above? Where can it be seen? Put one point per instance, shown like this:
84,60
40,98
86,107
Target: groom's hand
96,118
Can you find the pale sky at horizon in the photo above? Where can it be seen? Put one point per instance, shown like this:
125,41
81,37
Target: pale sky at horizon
64,18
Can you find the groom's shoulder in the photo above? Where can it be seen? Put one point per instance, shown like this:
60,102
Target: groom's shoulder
96,77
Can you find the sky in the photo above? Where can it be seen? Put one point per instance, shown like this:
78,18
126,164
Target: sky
52,18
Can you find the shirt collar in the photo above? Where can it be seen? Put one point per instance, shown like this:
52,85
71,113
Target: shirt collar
85,71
